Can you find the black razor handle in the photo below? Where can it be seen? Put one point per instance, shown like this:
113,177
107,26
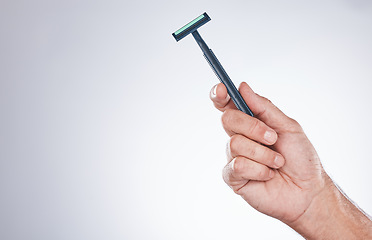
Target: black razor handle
222,75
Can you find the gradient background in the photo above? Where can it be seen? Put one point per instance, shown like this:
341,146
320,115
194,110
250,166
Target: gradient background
107,130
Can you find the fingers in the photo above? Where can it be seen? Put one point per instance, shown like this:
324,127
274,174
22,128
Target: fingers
241,170
220,98
262,108
242,146
237,122
266,111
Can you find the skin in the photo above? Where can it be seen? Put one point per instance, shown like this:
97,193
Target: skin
273,166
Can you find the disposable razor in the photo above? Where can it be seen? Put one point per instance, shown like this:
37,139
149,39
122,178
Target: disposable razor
212,60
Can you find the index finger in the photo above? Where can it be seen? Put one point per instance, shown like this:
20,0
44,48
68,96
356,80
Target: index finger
237,122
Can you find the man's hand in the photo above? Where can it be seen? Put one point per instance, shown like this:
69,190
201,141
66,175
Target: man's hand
273,165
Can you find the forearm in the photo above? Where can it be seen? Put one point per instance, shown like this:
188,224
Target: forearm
332,216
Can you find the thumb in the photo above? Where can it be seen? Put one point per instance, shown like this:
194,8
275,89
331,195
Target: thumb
267,112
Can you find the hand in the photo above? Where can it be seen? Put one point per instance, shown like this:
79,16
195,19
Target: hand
271,163
275,168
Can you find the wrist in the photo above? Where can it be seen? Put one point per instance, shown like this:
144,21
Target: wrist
331,215
313,222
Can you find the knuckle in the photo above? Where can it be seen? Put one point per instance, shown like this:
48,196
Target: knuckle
254,127
234,143
226,117
269,156
263,173
227,175
267,101
294,126
228,150
231,117
252,152
239,165
236,189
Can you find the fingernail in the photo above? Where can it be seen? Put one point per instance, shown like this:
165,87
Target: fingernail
271,173
269,136
233,164
278,162
227,97
214,92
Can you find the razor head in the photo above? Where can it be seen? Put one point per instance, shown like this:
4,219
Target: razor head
191,26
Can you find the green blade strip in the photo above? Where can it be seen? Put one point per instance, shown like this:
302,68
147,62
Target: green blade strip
189,24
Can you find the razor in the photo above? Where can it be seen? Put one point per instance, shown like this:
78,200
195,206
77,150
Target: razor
216,66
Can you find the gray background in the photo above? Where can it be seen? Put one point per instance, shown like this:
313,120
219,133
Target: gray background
107,130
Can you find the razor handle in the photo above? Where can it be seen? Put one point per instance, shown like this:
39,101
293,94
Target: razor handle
222,75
